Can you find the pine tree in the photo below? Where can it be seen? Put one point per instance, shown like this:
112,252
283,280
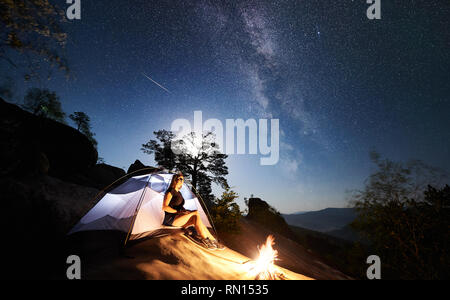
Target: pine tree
82,122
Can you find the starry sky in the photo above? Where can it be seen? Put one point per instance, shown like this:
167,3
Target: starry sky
340,84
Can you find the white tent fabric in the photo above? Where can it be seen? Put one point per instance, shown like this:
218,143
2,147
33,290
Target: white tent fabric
137,203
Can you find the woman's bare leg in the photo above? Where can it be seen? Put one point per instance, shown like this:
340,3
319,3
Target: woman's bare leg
181,220
193,218
201,228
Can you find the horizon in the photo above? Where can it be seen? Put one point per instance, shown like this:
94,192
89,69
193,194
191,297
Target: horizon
340,84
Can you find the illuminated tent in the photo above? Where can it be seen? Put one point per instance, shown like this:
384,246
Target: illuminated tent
135,207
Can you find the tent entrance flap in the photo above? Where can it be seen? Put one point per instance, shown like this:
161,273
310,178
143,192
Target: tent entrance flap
136,211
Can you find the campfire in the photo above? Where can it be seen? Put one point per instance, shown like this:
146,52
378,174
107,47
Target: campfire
263,267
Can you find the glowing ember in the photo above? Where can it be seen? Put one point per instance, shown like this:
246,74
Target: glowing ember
263,268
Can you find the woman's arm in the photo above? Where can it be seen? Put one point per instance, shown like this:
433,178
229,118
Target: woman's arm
166,202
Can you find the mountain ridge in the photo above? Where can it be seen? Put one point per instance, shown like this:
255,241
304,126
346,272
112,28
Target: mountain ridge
324,220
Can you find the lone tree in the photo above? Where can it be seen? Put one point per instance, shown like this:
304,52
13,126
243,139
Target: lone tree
32,28
44,103
406,219
82,121
198,158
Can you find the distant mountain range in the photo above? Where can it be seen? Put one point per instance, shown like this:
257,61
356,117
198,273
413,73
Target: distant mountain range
333,221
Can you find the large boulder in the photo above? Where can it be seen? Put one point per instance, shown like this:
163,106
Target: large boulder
36,145
39,212
138,165
261,212
102,175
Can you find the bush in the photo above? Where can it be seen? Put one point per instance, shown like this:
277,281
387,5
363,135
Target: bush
225,212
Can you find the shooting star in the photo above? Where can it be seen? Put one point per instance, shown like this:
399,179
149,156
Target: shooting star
156,83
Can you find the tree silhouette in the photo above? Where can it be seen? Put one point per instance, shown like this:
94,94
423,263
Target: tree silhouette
225,211
197,158
44,103
82,121
406,220
201,159
32,27
162,149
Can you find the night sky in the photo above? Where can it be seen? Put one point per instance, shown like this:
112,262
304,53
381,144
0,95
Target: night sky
340,84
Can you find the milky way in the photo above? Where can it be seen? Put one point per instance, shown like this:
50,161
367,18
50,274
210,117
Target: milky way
340,84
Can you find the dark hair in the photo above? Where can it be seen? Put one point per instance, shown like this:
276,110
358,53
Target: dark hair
174,180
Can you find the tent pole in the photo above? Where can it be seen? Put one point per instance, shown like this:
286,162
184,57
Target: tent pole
207,211
124,176
136,212
102,191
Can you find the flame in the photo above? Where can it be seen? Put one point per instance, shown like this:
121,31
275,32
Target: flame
263,268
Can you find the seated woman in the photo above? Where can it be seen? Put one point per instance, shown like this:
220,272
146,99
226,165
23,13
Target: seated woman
176,215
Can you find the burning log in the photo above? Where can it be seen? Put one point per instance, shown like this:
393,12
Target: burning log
263,268
271,276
